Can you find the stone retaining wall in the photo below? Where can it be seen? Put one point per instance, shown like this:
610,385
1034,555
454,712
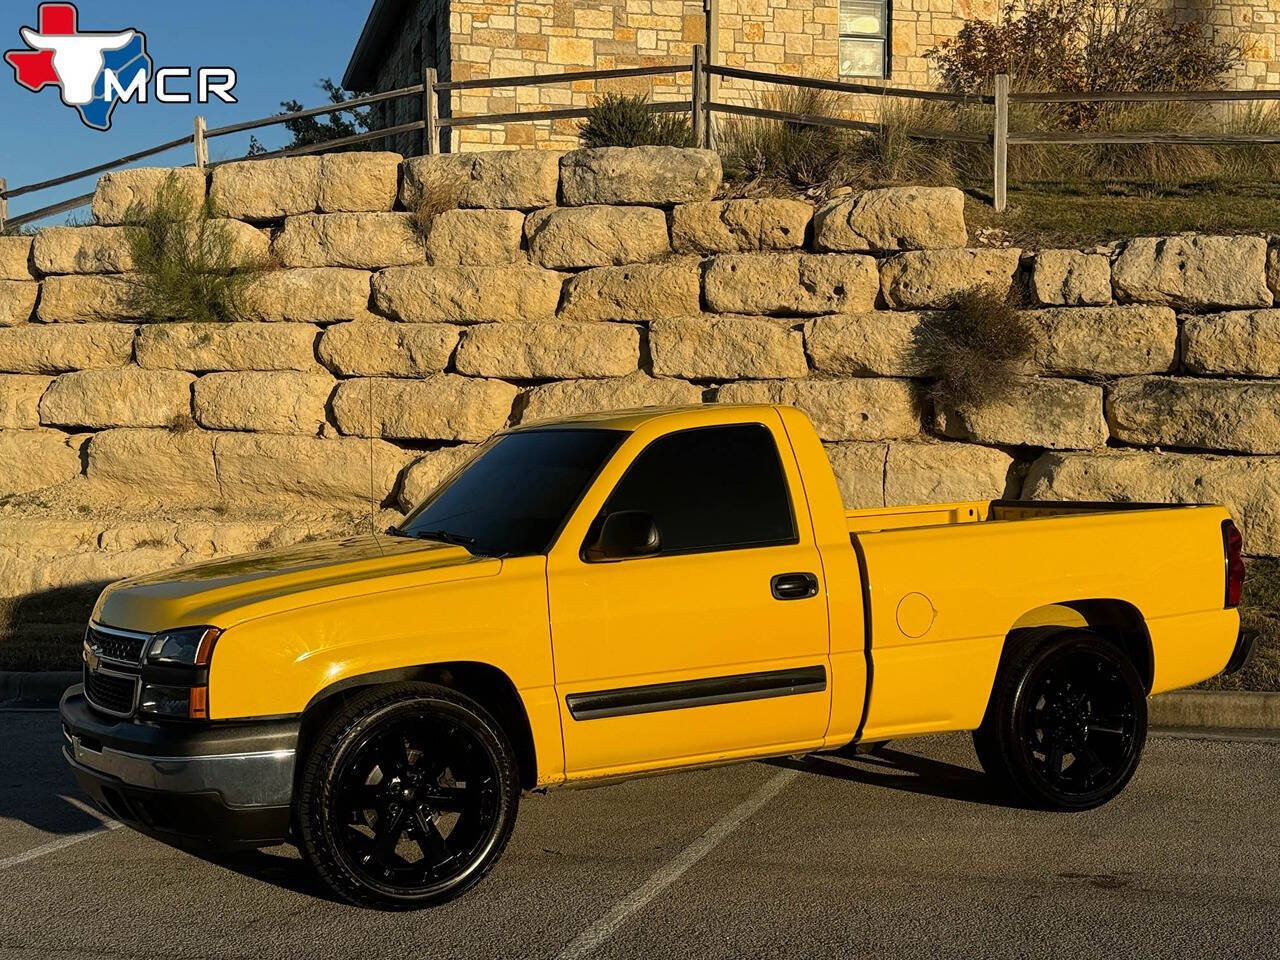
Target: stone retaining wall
367,362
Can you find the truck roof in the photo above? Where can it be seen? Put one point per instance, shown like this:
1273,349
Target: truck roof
633,417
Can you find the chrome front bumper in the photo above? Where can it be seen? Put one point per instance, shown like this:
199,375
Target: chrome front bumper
257,779
230,784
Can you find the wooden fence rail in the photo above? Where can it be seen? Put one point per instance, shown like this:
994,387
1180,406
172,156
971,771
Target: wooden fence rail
437,118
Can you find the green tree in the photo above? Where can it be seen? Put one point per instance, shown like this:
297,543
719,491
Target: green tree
307,131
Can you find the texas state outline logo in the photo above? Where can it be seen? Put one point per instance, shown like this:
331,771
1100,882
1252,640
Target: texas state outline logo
93,70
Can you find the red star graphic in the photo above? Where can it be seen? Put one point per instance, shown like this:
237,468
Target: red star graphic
34,68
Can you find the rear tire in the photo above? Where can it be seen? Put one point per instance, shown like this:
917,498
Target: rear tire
1066,723
407,797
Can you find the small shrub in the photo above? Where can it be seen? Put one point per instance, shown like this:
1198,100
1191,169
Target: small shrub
181,423
437,192
617,120
186,263
975,348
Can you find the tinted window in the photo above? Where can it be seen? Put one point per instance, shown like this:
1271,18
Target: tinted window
512,498
714,488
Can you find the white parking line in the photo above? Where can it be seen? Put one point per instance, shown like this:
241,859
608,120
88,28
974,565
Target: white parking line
602,929
62,842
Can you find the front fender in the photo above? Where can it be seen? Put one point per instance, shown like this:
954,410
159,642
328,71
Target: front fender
276,665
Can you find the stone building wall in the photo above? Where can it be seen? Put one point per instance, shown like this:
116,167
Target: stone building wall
403,65
482,38
366,362
519,39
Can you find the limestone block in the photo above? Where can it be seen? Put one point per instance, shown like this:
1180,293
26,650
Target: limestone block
1240,415
20,400
791,283
652,175
363,241
307,295
359,181
525,351
425,474
117,397
511,179
1238,343
165,464
122,193
891,219
596,236
1033,412
725,348
377,348
33,348
430,294
266,189
36,458
86,299
1248,486
83,250
737,226
945,473
925,279
635,293
17,301
284,401
1193,273
1071,278
202,347
476,238
15,258
440,407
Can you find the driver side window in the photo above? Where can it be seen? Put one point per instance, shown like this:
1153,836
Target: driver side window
709,488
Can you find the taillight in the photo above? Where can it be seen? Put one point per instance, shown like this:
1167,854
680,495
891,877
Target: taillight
1232,545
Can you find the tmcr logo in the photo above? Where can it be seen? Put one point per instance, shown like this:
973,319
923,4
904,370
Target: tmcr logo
97,70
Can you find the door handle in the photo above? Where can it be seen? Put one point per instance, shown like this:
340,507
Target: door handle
793,586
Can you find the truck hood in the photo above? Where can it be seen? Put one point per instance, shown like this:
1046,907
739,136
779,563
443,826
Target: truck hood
229,590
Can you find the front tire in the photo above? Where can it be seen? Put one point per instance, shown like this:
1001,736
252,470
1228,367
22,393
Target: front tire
407,797
1066,723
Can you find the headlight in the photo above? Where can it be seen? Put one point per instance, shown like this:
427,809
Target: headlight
190,646
168,701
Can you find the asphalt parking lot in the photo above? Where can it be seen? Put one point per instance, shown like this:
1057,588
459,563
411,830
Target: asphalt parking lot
904,853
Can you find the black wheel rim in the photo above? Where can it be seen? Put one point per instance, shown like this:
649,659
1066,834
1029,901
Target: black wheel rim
1079,724
417,805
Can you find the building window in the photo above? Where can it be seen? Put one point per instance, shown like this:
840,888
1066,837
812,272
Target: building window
864,36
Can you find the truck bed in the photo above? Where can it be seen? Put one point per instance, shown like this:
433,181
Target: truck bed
876,519
946,583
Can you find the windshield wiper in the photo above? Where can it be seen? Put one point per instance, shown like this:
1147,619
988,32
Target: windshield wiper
445,536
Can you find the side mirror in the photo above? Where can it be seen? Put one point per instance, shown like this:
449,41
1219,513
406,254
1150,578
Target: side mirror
624,535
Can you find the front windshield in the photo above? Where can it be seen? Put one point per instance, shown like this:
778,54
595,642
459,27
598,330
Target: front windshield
513,496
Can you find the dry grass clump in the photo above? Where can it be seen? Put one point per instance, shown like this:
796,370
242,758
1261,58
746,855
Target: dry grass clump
437,192
185,259
975,349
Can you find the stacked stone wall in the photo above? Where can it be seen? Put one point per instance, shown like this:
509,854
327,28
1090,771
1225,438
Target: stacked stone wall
368,361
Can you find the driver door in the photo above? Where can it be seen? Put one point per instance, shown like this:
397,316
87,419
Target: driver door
698,652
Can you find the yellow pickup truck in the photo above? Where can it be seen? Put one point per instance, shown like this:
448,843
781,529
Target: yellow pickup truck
620,594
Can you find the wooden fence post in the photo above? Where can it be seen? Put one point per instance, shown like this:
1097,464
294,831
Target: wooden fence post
699,97
202,144
4,203
430,112
1000,145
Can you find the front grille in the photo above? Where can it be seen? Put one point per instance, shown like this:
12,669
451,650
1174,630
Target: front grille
127,647
114,694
